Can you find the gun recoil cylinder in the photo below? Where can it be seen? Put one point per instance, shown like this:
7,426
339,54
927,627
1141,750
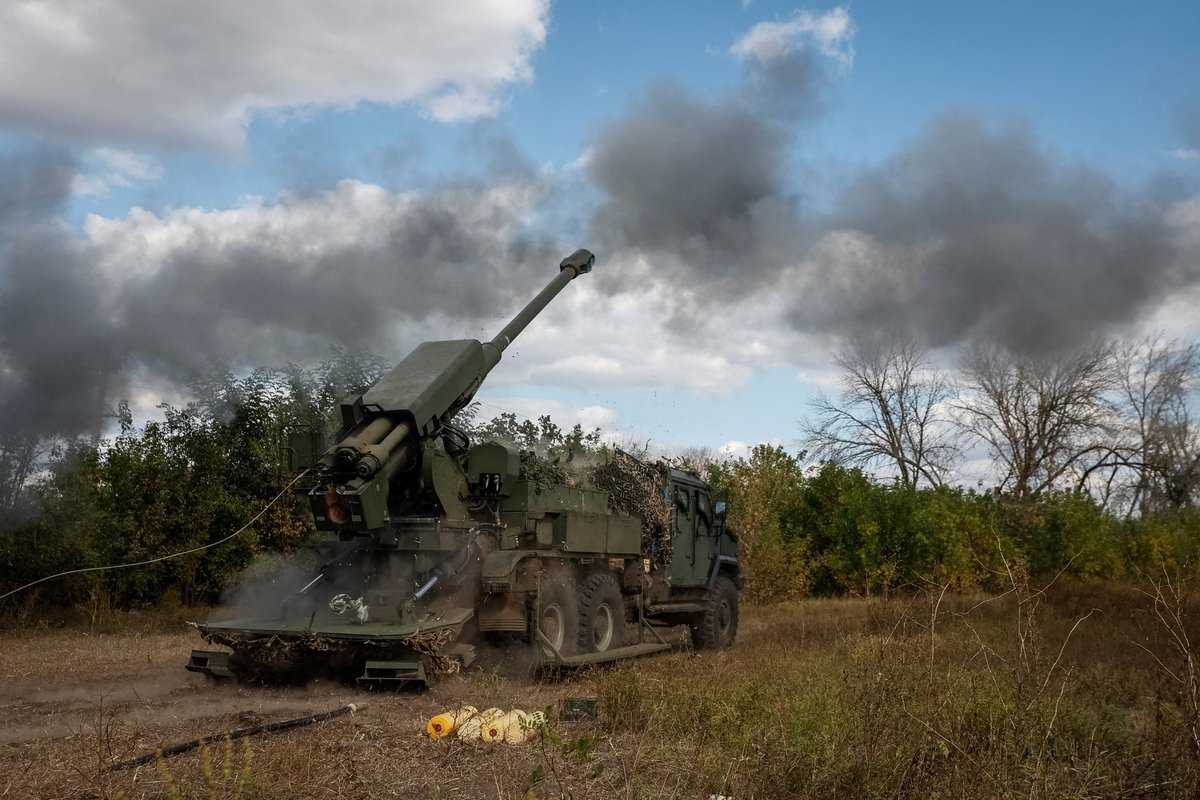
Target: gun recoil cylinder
376,455
362,439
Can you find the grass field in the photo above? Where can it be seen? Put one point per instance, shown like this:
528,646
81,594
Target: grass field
1081,690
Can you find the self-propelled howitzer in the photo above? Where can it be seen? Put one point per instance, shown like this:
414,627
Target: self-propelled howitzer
430,545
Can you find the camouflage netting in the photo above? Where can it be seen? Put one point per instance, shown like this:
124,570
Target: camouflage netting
432,644
635,488
551,472
268,657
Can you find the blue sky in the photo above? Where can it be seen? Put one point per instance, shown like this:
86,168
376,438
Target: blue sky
759,180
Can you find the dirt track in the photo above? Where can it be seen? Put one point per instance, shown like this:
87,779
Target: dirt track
56,685
72,704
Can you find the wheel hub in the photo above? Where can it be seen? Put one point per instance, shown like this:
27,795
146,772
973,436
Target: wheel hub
602,629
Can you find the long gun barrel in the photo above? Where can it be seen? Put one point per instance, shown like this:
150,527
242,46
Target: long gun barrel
572,266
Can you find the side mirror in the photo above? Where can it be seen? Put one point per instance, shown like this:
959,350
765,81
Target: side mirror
719,510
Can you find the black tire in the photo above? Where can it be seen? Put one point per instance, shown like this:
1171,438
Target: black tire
601,614
557,616
716,626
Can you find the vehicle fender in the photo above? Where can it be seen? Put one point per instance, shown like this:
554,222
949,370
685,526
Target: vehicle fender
499,569
728,564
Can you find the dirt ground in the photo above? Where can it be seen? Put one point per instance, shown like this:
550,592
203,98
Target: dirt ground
72,704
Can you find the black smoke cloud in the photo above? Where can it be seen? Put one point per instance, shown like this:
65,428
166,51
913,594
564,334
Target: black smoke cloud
982,231
973,230
705,183
58,356
33,186
790,87
213,299
70,331
693,180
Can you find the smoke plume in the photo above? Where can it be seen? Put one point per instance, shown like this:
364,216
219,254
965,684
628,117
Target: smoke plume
703,185
260,285
979,231
57,349
693,181
973,230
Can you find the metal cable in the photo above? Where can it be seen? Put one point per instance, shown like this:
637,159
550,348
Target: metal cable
253,519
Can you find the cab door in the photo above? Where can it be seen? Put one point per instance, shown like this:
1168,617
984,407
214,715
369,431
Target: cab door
689,566
707,541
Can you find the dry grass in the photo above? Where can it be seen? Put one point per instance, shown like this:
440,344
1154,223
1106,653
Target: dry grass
1080,691
63,655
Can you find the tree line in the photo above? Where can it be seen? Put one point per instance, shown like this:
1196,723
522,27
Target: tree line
1093,455
175,484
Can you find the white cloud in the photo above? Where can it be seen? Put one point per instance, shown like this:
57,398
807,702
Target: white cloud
825,379
1187,153
584,160
173,74
84,185
734,449
564,415
351,215
832,33
106,168
591,339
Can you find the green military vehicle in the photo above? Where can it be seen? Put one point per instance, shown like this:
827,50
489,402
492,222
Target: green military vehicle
432,546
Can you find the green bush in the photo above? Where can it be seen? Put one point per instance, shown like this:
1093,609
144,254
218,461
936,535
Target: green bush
832,530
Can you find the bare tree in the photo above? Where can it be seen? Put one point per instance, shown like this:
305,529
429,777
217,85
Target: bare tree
887,413
1154,462
1044,419
695,459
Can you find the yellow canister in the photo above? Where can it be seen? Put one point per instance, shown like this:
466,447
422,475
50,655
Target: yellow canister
492,729
445,723
470,729
516,726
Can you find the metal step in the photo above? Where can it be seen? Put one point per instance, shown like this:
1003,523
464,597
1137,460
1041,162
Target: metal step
394,672
681,607
629,651
212,663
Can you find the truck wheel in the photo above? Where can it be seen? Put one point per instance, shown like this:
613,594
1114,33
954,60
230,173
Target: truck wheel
601,614
557,618
716,626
